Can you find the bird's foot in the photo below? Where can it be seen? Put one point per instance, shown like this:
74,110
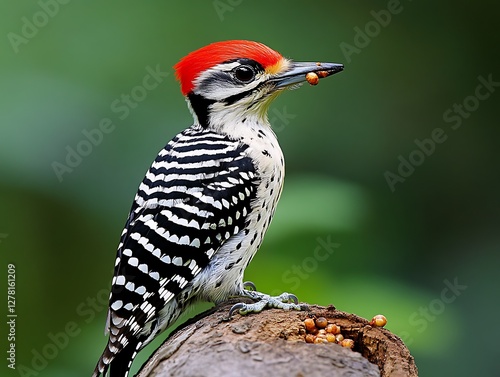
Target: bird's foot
285,301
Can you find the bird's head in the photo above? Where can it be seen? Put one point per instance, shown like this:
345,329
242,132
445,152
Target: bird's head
225,82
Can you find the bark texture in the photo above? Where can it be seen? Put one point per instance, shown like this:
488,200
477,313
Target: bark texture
271,343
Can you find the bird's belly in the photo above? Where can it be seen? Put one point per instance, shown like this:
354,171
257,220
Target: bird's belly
223,277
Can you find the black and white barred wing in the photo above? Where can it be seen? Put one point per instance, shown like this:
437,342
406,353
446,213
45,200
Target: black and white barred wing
195,196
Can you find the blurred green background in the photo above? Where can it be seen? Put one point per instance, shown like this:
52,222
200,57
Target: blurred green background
411,68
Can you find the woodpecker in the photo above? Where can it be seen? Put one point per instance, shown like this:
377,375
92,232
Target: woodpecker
202,209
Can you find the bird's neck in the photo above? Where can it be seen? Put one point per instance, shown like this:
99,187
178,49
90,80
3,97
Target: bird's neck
244,123
228,117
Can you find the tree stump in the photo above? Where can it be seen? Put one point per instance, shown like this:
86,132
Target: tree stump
272,343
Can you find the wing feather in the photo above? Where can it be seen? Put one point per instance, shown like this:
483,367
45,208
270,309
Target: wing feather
195,196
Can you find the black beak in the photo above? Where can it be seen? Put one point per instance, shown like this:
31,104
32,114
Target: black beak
298,71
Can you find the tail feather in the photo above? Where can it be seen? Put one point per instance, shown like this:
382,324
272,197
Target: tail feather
120,366
118,361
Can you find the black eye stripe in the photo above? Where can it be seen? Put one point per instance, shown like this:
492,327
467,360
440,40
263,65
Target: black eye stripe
226,74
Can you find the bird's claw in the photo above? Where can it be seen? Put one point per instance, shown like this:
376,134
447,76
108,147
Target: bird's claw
249,286
293,298
236,307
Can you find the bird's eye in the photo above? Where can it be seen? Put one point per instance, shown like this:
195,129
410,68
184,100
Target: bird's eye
244,73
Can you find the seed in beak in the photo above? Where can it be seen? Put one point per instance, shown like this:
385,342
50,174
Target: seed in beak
312,78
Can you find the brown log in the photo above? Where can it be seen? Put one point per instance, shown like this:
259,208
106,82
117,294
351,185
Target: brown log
272,343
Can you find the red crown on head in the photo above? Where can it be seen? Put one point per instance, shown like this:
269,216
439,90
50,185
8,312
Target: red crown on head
189,67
